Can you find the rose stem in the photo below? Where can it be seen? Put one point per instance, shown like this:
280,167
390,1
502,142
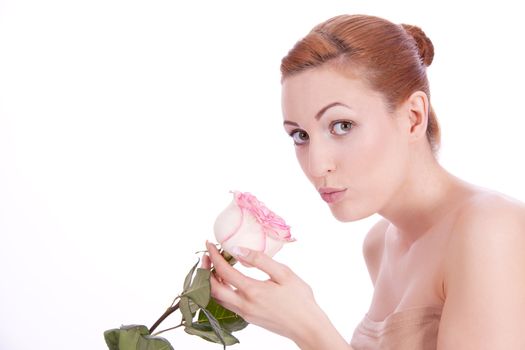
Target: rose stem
168,312
168,329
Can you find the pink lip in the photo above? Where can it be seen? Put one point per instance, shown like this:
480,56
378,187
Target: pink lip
332,195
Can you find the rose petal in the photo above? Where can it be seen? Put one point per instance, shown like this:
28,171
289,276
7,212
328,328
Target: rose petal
247,222
228,222
272,246
249,235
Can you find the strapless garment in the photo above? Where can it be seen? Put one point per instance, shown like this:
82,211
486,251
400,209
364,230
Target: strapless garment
411,329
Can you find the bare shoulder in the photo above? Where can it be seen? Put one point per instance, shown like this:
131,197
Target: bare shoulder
373,247
489,215
486,224
489,200
484,279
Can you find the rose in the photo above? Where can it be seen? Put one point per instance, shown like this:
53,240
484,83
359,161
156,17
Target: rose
246,222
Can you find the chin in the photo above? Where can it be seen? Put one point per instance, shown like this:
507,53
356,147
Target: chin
348,215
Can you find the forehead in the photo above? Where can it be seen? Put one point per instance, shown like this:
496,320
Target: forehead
310,90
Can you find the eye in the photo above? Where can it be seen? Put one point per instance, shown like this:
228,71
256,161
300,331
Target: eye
299,137
341,127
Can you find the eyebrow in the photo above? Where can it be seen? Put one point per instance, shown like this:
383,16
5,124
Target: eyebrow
320,113
327,107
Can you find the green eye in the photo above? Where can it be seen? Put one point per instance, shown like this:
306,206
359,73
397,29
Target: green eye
299,137
341,127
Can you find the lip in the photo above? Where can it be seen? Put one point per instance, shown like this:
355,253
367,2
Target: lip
332,195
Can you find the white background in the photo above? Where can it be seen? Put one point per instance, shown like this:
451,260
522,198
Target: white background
124,124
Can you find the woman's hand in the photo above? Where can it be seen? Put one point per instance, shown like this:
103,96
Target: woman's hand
283,304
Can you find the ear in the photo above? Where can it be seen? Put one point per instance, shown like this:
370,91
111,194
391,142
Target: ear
417,107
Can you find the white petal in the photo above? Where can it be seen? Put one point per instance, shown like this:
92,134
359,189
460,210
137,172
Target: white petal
227,222
273,246
250,235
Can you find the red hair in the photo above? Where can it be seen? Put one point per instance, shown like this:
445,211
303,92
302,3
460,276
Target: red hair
391,58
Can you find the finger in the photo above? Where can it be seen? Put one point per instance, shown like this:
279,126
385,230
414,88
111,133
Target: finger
223,268
224,294
278,272
206,262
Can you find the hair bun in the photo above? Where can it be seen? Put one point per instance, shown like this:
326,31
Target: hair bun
424,45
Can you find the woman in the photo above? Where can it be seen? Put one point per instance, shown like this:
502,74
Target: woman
447,258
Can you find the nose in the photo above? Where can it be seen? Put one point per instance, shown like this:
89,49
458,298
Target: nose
320,160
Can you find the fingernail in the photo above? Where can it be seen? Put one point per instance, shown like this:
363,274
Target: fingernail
240,251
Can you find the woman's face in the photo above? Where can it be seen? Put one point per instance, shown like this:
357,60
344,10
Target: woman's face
349,146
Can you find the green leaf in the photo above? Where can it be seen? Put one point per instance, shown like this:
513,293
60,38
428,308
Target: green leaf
215,326
185,310
148,342
125,337
134,337
200,289
111,336
194,307
205,331
187,280
228,320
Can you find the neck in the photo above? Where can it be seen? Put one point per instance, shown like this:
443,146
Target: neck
423,198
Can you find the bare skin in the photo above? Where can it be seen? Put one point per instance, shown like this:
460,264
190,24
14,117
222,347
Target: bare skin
442,242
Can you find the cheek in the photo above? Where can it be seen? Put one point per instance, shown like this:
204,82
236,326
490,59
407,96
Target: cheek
302,158
379,165
374,171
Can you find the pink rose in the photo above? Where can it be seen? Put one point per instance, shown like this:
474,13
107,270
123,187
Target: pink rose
246,222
